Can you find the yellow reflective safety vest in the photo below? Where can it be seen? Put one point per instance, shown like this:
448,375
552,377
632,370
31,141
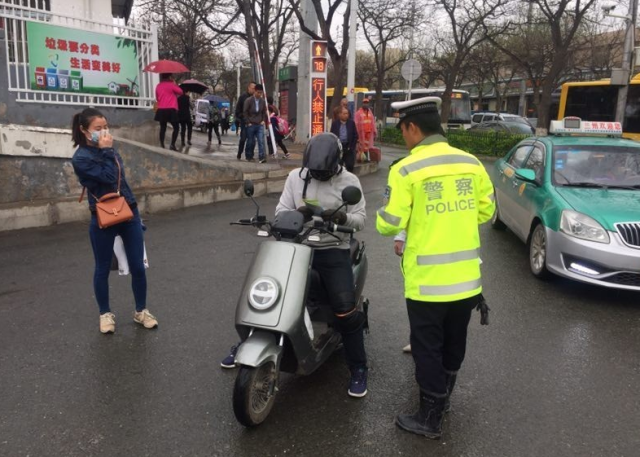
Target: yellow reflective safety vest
439,195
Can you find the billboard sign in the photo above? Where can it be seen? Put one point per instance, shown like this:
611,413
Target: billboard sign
71,60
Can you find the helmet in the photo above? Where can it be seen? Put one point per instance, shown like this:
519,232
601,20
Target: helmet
322,156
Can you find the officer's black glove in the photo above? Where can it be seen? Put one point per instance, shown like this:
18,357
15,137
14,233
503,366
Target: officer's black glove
484,311
306,212
337,217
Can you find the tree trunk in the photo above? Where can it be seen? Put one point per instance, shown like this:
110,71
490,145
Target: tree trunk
547,89
380,61
337,83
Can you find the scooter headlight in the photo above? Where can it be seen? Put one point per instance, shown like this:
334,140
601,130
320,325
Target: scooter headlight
263,293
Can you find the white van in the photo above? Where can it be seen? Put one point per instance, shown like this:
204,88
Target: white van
201,114
486,116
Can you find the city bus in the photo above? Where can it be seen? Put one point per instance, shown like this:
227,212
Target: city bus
596,101
459,116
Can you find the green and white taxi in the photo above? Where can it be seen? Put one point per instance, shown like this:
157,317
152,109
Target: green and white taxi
574,198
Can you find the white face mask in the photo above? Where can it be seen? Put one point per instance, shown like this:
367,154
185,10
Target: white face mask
95,135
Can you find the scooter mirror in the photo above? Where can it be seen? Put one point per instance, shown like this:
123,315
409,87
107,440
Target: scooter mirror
351,195
248,188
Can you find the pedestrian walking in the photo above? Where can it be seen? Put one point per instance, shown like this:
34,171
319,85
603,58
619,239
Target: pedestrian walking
184,116
101,171
255,119
345,129
451,194
367,131
167,92
278,134
241,128
224,120
214,122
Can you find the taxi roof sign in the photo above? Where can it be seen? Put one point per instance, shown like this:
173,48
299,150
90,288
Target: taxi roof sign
576,126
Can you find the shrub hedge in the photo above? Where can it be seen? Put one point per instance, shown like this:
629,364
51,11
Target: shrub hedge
479,143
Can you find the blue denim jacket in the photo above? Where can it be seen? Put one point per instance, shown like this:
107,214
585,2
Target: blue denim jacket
97,171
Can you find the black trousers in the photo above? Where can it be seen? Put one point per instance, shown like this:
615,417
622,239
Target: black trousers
279,142
215,128
186,127
438,339
243,138
348,157
174,134
334,268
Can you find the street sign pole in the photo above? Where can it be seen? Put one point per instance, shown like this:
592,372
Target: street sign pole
411,69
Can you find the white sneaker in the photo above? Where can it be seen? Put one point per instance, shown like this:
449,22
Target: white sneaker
107,323
407,348
145,318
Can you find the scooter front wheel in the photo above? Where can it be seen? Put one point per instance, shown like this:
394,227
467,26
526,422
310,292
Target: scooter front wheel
254,393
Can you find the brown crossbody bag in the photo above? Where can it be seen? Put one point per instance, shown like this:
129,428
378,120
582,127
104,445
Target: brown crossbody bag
112,208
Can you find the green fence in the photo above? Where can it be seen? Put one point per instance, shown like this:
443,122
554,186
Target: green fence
479,143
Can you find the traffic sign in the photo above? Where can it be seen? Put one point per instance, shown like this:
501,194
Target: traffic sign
411,70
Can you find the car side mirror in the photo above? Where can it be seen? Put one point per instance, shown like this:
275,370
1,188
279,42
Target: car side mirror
526,174
248,188
351,195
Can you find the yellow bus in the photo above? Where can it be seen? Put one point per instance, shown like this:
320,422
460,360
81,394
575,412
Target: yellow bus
596,101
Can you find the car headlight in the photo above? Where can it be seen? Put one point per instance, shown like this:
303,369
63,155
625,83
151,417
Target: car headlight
263,293
582,226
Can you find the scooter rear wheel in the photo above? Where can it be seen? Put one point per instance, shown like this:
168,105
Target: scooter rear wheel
254,393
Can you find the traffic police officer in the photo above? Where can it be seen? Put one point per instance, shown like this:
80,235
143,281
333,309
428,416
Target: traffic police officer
439,195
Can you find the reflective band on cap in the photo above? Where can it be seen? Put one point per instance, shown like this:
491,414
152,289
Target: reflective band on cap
451,289
389,218
439,259
449,159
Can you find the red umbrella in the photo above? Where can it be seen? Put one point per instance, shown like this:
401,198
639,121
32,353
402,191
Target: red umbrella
166,66
193,85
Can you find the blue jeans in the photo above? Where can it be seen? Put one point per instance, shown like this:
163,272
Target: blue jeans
102,244
255,132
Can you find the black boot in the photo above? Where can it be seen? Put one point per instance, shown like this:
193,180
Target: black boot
427,420
451,383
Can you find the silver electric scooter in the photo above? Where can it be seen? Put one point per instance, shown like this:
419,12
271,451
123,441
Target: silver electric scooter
283,316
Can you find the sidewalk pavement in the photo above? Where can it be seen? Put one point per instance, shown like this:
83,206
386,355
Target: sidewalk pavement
228,150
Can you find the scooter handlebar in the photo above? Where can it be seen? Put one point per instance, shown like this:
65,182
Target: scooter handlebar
341,228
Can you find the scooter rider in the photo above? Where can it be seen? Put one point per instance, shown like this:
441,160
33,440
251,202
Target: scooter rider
316,189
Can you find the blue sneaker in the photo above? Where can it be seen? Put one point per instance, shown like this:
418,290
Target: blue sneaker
230,360
358,383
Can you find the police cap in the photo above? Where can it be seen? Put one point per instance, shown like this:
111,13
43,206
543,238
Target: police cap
419,106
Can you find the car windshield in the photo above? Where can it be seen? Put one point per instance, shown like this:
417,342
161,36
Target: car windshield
596,166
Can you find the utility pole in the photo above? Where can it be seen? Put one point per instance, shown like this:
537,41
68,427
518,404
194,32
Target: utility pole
351,62
303,108
627,59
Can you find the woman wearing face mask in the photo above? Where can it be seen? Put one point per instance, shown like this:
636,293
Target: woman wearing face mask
98,167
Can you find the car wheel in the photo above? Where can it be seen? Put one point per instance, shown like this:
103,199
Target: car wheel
496,222
538,252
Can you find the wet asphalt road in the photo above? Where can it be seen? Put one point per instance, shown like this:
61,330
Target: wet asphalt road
556,373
